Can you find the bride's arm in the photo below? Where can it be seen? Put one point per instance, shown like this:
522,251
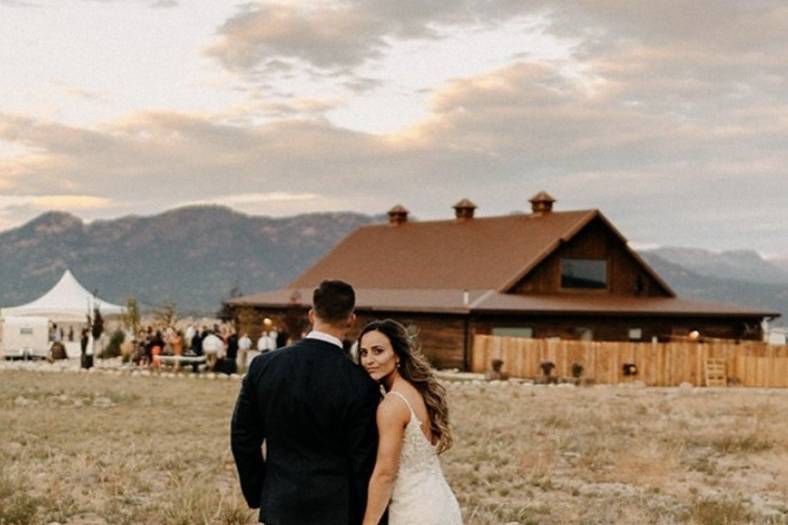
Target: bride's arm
391,420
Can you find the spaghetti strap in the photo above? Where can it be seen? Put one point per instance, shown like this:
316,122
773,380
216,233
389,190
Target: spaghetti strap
402,397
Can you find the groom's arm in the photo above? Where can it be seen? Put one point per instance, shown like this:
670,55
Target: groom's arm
362,441
246,438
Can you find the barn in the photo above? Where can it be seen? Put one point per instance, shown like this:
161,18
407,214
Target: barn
544,274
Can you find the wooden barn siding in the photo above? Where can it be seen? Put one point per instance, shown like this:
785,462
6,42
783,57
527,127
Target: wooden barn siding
659,364
249,320
595,241
442,337
617,328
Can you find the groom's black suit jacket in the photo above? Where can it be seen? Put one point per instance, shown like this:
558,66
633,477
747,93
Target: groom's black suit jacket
315,410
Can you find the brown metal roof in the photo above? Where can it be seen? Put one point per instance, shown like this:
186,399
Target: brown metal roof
428,267
480,253
420,300
612,305
480,301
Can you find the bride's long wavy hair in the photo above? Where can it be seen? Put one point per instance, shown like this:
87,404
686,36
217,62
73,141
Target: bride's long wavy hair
416,370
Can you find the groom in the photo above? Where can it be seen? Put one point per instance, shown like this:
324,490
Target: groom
315,410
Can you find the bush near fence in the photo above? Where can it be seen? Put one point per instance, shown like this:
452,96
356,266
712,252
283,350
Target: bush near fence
658,364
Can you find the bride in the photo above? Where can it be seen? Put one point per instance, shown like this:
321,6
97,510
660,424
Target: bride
413,427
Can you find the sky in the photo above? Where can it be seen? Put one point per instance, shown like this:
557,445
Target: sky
669,116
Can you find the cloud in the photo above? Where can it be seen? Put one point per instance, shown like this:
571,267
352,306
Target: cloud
16,208
156,4
340,36
255,198
326,37
18,3
674,128
63,202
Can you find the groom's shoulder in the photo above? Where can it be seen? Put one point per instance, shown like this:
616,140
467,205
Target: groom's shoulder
359,380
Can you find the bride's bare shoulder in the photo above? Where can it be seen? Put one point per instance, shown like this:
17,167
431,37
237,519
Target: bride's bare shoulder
393,409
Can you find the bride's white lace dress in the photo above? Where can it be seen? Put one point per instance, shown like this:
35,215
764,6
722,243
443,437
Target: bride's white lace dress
421,495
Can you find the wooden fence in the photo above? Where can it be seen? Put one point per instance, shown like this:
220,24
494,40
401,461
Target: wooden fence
658,364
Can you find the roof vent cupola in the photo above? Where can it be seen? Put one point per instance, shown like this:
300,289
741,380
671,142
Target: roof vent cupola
464,209
541,203
398,215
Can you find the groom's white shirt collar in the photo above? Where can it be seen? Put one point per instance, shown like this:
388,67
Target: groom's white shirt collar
322,336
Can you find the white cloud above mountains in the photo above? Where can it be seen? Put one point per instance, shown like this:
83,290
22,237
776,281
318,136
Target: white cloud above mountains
670,117
338,36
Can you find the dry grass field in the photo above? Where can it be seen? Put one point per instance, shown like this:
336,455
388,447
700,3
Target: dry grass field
115,449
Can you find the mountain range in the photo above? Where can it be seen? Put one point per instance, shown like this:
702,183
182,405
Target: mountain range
194,256
197,256
703,283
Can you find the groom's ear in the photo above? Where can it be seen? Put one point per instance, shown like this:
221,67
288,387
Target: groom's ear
311,316
351,320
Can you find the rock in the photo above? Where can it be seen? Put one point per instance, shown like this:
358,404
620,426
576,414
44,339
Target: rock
87,519
103,402
13,447
22,401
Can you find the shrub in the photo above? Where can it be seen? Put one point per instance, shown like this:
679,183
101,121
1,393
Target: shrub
17,508
719,512
113,349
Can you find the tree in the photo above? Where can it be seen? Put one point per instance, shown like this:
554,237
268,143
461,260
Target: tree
225,313
97,326
167,313
131,319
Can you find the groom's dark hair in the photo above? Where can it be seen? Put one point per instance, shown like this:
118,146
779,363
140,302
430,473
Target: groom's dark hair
334,301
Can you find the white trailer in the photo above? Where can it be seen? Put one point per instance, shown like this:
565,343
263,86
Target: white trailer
24,337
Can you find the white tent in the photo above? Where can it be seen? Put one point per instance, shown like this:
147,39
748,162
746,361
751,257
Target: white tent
67,302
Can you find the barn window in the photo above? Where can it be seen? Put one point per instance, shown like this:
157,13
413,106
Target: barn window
584,334
636,333
513,331
584,273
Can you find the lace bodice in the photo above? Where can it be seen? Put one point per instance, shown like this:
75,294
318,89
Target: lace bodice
421,495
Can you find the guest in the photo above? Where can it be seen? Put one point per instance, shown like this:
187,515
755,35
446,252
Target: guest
266,343
176,342
147,345
189,335
86,361
157,345
229,366
212,347
195,345
244,345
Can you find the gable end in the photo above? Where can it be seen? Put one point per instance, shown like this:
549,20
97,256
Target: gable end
596,240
